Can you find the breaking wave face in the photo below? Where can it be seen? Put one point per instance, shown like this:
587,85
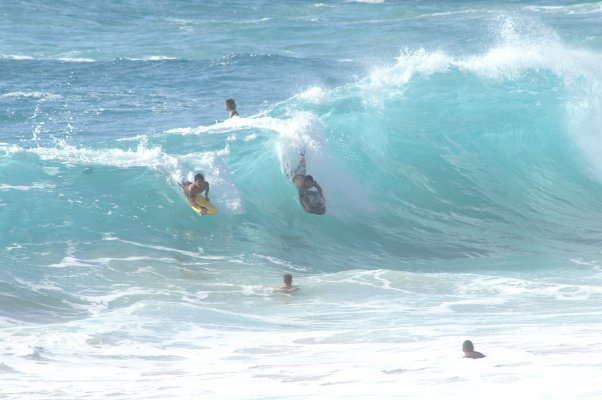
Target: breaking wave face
436,160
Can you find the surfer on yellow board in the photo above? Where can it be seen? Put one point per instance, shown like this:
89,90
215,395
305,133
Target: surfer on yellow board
192,190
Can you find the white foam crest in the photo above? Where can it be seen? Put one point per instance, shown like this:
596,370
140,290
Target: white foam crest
52,171
102,302
573,9
298,132
525,45
521,46
16,57
77,59
70,261
314,95
254,21
508,287
33,186
153,58
191,254
142,156
233,124
301,133
454,12
365,1
280,263
34,95
408,64
10,148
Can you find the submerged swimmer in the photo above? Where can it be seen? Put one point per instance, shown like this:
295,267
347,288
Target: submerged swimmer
231,108
199,186
304,182
287,283
469,352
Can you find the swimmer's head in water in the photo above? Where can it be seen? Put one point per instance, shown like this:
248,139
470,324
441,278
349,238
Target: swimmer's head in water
230,104
467,346
288,279
199,177
308,178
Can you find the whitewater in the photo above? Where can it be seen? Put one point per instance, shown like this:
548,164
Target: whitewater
458,146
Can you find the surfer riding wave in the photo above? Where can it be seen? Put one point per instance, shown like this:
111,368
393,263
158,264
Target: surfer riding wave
303,183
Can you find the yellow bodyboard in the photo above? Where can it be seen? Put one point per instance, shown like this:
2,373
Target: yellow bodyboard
201,200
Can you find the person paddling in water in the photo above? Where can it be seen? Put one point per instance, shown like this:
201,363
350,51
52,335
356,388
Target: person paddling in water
468,349
231,108
304,182
199,186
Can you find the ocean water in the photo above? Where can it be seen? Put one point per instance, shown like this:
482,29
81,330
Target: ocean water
458,145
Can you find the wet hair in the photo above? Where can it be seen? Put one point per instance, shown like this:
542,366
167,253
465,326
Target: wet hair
467,346
231,104
288,279
309,178
198,176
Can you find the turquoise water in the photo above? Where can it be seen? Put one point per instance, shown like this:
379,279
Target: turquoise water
457,144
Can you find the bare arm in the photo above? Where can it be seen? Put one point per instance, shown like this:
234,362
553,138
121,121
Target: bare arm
303,202
191,195
302,198
317,186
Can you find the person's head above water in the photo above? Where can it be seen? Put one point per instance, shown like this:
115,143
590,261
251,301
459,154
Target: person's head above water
199,177
308,178
230,104
288,280
469,352
231,108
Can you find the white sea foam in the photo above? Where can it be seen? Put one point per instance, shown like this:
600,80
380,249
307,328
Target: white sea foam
365,1
16,57
521,47
281,126
142,156
315,95
127,356
33,95
52,171
408,64
155,58
193,254
300,131
34,186
572,9
77,59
